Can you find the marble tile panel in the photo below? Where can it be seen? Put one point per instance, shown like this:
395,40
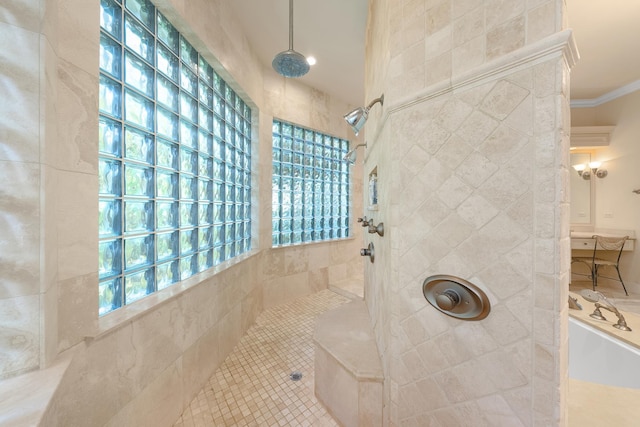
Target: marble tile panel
460,7
453,153
438,69
20,334
337,272
476,210
273,263
453,114
468,55
453,192
503,144
49,326
506,325
151,344
199,362
497,412
370,404
454,265
156,404
78,38
23,15
49,119
78,216
430,396
503,99
20,111
415,159
77,309
503,279
76,148
432,249
283,289
413,56
503,189
230,331
468,27
433,360
438,15
20,220
506,38
541,21
319,279
477,127
413,26
501,11
95,386
296,260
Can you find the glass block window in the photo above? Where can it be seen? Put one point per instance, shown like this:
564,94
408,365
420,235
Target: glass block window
311,186
175,158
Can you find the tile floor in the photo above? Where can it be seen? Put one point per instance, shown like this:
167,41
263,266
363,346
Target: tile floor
253,386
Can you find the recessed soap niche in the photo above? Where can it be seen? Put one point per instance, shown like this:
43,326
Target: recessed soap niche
373,189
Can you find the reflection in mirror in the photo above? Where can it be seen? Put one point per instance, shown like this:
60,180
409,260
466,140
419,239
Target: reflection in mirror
581,202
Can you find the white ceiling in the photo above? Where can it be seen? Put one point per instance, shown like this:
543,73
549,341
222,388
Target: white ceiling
607,33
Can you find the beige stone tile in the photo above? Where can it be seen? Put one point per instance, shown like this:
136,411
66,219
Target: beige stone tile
252,386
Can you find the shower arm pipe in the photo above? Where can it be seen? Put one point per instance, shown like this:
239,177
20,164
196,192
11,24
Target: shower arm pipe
372,103
290,24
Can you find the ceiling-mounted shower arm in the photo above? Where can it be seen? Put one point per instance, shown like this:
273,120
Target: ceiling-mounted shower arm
290,24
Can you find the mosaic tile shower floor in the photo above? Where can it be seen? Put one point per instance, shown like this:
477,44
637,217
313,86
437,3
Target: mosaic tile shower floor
253,386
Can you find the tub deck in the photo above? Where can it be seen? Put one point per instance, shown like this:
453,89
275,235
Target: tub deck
596,404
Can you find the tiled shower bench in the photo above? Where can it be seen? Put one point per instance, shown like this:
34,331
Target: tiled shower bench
348,371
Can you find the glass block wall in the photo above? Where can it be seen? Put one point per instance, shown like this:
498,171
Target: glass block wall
310,185
175,158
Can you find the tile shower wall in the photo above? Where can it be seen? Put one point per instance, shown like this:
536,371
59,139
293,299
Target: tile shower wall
139,360
471,165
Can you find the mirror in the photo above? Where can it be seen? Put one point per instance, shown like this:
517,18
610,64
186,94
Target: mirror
581,194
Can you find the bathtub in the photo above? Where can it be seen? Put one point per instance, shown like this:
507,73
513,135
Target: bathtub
597,357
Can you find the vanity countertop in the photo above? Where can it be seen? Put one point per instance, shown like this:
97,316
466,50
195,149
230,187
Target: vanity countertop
590,234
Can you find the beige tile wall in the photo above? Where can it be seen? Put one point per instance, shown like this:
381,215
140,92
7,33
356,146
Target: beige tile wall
154,355
471,159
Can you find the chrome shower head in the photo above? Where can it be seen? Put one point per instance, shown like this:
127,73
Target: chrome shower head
290,63
352,155
358,117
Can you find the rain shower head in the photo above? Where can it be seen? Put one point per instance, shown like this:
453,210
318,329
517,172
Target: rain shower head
358,117
351,156
290,63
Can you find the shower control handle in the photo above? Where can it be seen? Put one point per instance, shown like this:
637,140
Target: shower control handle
376,228
448,299
369,251
365,222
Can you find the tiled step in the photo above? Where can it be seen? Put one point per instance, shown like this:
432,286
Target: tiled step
351,288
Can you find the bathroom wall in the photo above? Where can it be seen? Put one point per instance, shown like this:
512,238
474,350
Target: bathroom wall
472,159
615,204
141,364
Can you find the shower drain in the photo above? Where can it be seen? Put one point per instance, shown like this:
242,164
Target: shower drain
295,376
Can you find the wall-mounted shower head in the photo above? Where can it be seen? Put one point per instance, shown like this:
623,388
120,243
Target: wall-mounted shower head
351,156
358,117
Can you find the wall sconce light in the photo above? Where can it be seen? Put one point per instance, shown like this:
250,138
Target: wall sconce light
593,170
358,117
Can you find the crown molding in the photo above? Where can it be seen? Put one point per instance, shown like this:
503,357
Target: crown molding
607,97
